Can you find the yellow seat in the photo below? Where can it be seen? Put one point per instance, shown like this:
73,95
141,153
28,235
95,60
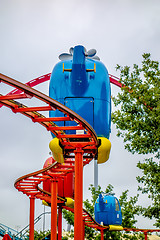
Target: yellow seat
103,150
69,202
46,203
115,228
57,151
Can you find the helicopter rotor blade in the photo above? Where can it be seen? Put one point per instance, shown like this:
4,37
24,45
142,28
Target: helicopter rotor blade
65,56
96,58
91,53
71,50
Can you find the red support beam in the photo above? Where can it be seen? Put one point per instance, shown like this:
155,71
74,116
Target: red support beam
52,119
145,235
78,205
65,128
115,80
54,191
102,235
31,218
13,96
32,109
59,223
76,136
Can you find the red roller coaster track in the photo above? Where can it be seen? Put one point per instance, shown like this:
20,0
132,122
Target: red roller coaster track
84,150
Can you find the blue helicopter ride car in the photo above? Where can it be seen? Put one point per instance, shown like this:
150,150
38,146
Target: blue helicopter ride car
81,82
108,210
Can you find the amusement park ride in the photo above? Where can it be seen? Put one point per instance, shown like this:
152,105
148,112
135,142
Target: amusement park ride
79,105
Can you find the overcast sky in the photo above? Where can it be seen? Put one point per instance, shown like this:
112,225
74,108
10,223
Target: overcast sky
33,34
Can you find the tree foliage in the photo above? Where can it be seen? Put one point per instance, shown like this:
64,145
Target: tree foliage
38,235
151,185
138,119
68,216
138,122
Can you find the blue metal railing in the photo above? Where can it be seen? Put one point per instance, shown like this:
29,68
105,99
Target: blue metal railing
7,230
24,231
18,235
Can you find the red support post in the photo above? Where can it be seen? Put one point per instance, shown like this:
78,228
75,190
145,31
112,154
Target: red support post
59,223
78,205
102,235
31,218
54,191
145,235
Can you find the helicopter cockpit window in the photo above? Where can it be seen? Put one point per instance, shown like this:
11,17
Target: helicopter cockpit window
117,205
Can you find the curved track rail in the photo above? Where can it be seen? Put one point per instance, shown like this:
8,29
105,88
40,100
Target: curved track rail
30,183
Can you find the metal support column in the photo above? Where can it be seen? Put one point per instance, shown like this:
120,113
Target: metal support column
31,218
54,192
60,223
145,235
95,174
78,205
102,235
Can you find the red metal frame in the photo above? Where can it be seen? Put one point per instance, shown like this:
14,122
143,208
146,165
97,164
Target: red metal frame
78,206
31,225
145,231
59,223
54,191
115,80
86,143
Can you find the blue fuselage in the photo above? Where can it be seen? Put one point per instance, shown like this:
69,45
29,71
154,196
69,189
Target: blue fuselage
83,85
107,209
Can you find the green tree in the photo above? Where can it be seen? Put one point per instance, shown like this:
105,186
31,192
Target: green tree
138,119
138,122
151,186
38,235
68,216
